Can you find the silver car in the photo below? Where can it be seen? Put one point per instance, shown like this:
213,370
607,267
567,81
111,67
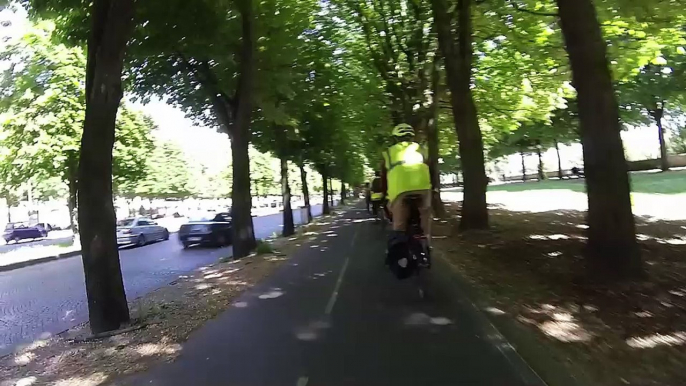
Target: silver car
139,231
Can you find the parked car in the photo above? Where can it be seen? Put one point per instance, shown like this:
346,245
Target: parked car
46,226
17,231
208,229
139,231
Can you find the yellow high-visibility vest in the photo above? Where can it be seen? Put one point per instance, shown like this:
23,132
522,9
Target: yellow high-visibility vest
377,196
405,169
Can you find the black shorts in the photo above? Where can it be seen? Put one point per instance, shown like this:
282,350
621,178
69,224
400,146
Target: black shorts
376,205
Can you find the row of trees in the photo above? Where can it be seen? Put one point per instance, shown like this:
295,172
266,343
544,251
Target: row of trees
319,84
521,76
43,109
205,58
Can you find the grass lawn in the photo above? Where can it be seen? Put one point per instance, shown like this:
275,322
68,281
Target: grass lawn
673,182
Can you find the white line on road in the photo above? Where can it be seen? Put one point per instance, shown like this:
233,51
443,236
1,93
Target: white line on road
334,295
302,381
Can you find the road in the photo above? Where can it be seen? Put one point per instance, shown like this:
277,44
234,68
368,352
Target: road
335,316
48,298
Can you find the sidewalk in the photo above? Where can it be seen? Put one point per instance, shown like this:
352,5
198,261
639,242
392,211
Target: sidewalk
30,254
333,315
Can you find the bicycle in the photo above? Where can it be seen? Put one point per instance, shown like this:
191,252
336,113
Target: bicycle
415,246
418,244
378,211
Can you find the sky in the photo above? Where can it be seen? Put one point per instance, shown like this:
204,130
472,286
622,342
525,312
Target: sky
205,144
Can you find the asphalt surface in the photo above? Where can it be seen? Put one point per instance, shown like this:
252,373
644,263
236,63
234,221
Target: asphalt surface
48,298
334,315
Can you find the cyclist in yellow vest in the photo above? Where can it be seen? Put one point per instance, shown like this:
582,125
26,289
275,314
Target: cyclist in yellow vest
406,173
377,196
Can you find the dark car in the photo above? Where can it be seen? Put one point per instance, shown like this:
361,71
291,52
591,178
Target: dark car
211,229
21,231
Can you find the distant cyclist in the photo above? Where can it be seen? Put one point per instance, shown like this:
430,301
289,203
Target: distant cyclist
406,173
367,196
377,193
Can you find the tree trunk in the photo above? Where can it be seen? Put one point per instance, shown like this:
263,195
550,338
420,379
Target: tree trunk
9,211
541,173
241,206
326,209
111,25
288,226
432,139
71,177
458,64
521,152
306,192
664,157
612,247
344,193
559,160
331,192
71,205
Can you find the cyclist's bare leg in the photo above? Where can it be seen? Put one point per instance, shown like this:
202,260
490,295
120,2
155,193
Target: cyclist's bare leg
425,215
399,211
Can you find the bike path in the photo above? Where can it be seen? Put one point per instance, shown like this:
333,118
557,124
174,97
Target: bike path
334,315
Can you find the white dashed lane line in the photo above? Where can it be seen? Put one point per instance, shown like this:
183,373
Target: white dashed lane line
334,295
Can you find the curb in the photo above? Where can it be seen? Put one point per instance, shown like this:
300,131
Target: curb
28,263
536,364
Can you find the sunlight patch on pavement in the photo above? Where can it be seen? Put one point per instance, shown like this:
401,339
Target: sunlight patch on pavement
91,380
440,321
240,304
234,282
679,240
312,330
307,335
24,359
494,311
550,237
565,331
33,346
28,381
422,319
302,381
150,349
271,294
650,341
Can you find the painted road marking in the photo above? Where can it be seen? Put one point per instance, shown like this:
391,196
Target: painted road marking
334,295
